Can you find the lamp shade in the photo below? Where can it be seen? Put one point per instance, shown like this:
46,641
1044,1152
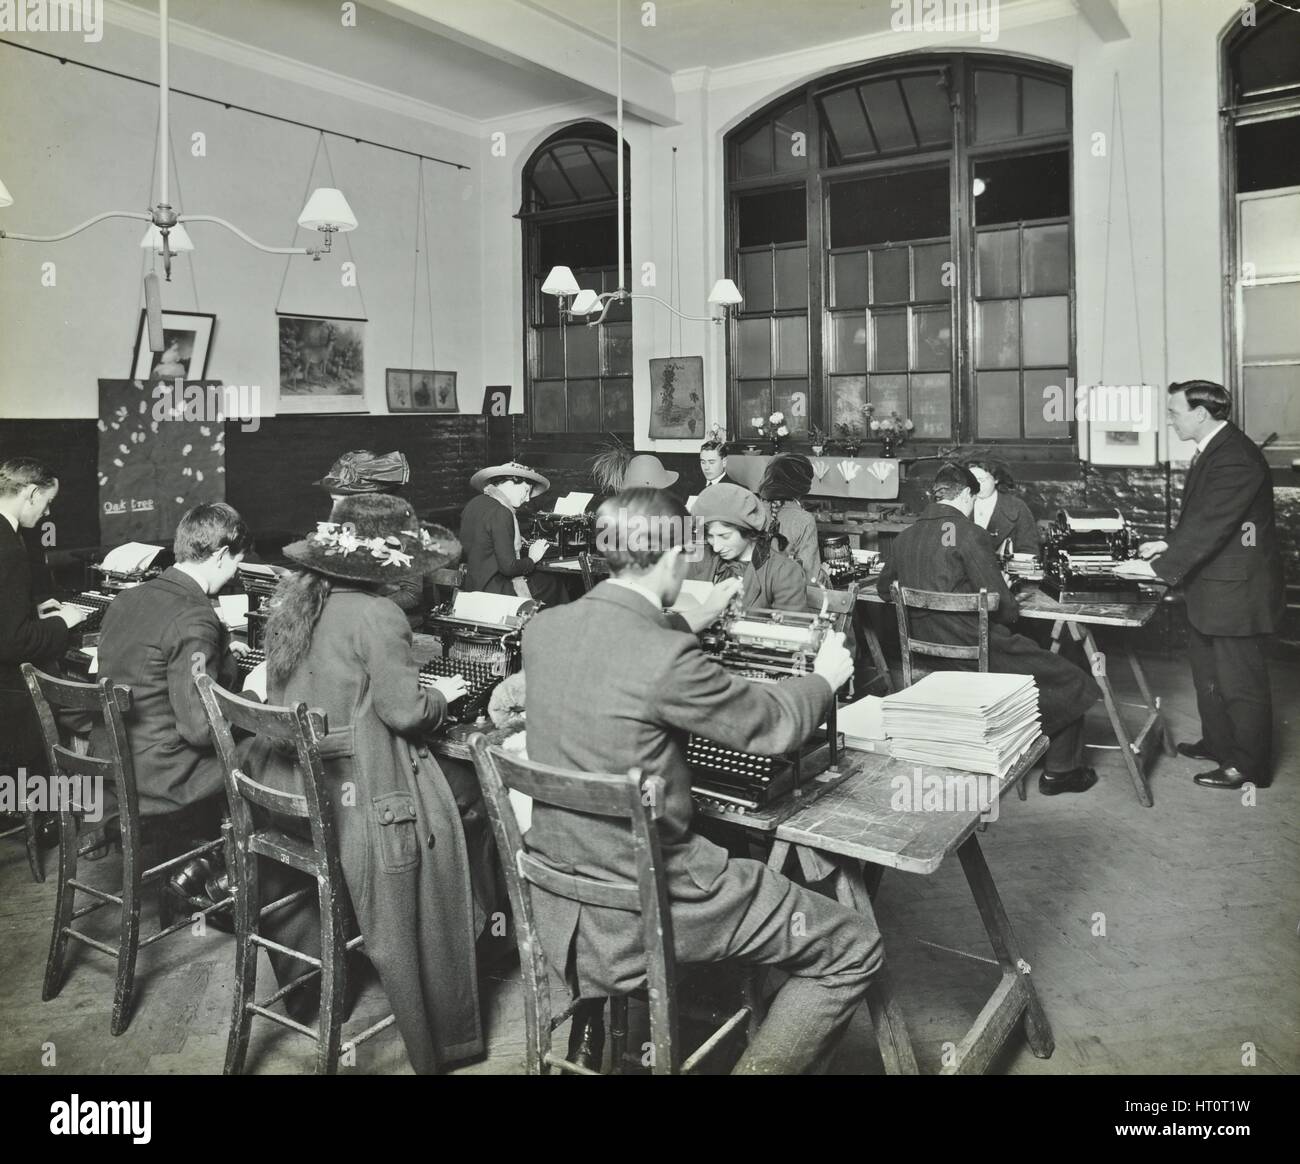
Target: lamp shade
327,209
725,294
178,240
586,303
6,199
560,281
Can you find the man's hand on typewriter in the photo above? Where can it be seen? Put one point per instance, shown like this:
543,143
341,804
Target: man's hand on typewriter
833,662
719,597
538,550
49,608
70,615
1134,569
239,647
1149,550
450,687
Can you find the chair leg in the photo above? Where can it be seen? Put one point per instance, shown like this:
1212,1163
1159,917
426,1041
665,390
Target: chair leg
617,1033
332,981
64,901
247,894
31,835
129,934
1022,785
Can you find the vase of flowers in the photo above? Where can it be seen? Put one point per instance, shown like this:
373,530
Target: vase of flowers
892,429
848,437
817,440
773,429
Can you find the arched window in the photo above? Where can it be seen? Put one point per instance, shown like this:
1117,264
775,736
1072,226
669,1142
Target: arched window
1261,125
578,379
901,233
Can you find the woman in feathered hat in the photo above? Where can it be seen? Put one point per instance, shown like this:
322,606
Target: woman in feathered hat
786,482
743,543
489,531
335,644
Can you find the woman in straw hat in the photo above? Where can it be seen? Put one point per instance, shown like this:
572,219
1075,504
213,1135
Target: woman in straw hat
742,543
335,644
786,482
489,531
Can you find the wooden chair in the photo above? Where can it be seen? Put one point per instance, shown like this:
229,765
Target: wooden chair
981,604
67,765
252,833
843,605
31,837
640,803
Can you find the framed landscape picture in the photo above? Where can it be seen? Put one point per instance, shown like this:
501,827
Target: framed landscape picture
187,336
322,364
420,390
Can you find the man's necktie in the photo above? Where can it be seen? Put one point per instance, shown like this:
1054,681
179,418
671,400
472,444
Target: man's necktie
1196,456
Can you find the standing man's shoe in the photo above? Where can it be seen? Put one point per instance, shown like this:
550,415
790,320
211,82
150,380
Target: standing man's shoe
1077,780
1222,778
1197,751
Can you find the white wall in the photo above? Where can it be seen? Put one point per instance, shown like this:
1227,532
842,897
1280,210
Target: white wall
74,143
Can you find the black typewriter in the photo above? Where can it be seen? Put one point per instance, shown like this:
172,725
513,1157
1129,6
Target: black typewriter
565,534
1080,555
480,678
840,567
259,585
92,603
248,661
481,651
726,781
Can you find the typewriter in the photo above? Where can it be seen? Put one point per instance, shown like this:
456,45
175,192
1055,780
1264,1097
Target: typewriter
92,603
1080,555
565,534
842,566
764,646
259,583
248,662
479,638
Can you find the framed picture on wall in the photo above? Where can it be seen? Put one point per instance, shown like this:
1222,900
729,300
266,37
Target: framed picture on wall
322,364
1120,424
420,390
187,336
677,398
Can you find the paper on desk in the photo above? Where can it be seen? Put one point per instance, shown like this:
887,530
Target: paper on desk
1090,524
480,606
693,594
862,720
130,558
93,652
232,609
255,683
572,503
260,570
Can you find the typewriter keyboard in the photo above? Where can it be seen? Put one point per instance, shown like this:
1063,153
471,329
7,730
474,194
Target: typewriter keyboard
249,660
92,604
480,678
735,782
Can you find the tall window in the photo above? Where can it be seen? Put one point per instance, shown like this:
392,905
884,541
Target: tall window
578,379
1261,81
902,236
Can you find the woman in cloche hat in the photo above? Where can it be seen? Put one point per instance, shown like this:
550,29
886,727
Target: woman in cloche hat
743,543
489,531
334,643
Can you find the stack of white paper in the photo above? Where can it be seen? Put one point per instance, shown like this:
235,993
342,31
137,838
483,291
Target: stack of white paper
963,719
863,723
130,558
480,606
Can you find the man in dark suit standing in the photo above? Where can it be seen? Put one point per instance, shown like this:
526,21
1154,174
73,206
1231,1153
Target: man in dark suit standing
945,551
1224,554
611,685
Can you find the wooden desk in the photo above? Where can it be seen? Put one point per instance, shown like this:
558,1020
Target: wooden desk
853,833
1080,617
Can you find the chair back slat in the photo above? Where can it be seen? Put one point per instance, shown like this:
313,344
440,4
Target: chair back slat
907,598
584,565
597,794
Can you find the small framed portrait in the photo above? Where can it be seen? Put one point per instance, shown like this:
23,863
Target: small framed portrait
420,390
187,336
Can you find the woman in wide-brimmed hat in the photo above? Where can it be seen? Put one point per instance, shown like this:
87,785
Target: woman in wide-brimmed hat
997,508
489,531
743,543
786,482
334,643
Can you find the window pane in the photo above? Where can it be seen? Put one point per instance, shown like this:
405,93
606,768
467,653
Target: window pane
928,271
849,342
928,100
584,406
849,279
908,205
1271,399
1272,322
756,280
548,406
551,342
848,395
581,171
583,359
618,405
618,349
995,106
549,304
791,345
931,405
889,346
1025,188
1267,58
1044,106
998,341
997,408
889,283
884,102
775,217
550,187
792,277
754,153
791,397
1047,259
888,394
1047,330
1267,155
755,345
933,347
843,115
1044,387
793,121
999,263
580,244
755,400
1270,234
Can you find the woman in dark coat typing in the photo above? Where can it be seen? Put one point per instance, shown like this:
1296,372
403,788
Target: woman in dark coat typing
489,533
334,643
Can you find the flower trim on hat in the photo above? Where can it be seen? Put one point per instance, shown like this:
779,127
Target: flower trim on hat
341,539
